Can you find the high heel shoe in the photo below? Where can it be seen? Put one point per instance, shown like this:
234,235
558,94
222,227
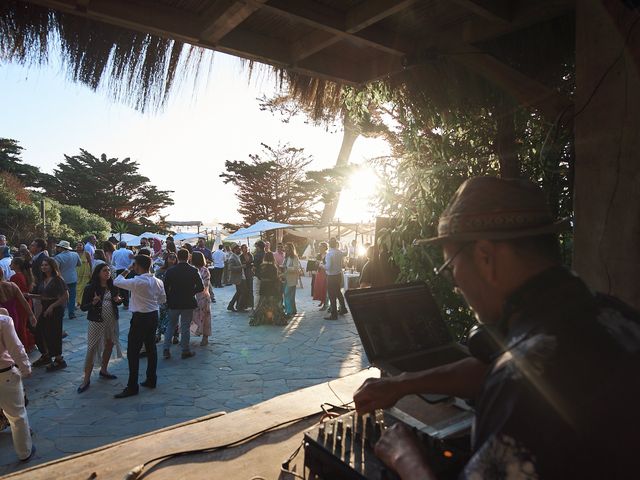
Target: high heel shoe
84,387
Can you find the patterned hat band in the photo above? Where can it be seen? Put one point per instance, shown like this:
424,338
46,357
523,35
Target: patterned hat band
460,224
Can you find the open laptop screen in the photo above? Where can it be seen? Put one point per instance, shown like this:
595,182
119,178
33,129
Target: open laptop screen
397,320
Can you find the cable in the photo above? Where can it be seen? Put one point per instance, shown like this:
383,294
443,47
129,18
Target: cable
139,472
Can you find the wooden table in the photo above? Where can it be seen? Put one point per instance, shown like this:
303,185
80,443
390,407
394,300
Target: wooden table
258,458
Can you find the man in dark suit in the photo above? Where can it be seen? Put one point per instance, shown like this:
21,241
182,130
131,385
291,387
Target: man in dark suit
181,283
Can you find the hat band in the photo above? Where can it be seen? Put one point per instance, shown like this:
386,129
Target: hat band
491,222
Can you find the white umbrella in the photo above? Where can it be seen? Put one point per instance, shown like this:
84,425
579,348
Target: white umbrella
147,235
263,226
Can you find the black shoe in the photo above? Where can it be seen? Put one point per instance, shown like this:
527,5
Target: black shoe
231,309
42,361
127,392
108,376
84,388
71,317
343,311
175,340
65,334
187,355
149,384
166,354
331,318
33,452
57,365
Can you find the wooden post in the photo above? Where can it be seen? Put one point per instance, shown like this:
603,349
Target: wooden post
607,167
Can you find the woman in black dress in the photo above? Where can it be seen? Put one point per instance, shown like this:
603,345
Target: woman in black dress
246,300
53,294
269,310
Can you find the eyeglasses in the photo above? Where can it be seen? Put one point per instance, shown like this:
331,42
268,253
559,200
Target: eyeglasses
446,269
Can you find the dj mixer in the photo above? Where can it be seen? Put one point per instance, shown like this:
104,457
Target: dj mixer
343,448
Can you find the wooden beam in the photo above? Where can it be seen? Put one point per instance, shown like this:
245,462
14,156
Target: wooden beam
356,19
493,10
372,11
527,91
225,15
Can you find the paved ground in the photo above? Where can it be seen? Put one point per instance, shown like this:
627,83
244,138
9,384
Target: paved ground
242,366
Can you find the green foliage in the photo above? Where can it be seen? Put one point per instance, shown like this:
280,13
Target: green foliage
273,185
434,151
11,162
83,223
18,221
108,187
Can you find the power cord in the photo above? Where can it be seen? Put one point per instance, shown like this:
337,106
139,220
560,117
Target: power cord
141,471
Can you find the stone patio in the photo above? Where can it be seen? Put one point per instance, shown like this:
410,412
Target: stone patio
240,367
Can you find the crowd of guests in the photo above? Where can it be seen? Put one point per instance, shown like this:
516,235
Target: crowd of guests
167,289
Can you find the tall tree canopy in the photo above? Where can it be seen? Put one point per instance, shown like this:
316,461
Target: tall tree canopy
11,162
109,187
273,185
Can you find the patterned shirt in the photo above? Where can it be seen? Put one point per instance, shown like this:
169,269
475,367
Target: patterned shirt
561,398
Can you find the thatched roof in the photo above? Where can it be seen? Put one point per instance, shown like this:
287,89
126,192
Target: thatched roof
449,50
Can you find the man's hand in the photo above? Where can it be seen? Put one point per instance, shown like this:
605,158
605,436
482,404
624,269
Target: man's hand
377,393
399,449
32,319
48,312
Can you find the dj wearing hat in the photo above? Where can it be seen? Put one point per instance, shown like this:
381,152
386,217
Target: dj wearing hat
555,368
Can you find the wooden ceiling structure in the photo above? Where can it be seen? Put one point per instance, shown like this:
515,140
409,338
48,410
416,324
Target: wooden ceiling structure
350,42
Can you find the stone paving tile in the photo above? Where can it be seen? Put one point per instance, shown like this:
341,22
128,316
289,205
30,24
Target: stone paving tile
240,367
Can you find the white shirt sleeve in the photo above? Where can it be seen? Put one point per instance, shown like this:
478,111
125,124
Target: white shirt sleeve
15,348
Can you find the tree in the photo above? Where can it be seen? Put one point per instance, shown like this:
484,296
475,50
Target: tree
273,185
108,187
11,162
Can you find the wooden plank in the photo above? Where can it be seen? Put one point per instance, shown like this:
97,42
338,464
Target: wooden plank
225,15
115,460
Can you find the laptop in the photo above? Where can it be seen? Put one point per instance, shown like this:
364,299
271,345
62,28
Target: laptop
402,329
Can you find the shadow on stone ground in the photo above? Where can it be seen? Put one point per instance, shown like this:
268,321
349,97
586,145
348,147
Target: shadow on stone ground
240,367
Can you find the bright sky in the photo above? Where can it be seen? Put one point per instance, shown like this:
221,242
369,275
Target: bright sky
182,148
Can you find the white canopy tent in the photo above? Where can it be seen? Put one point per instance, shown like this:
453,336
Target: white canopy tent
126,237
184,236
147,235
256,229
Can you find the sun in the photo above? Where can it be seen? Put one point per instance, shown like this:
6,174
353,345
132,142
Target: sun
357,201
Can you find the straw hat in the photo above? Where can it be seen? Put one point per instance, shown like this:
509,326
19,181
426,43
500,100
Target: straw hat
64,244
494,208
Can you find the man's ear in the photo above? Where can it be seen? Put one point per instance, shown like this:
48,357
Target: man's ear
484,253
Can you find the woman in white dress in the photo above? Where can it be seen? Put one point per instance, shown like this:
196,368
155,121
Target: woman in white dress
100,300
201,323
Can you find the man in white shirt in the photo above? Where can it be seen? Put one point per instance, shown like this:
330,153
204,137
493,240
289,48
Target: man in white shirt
333,266
90,247
147,294
121,260
14,366
219,258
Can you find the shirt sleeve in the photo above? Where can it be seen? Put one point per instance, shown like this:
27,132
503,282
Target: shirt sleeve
125,283
162,295
14,346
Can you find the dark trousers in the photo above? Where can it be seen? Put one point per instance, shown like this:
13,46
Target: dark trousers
49,333
334,283
236,301
142,331
217,277
124,294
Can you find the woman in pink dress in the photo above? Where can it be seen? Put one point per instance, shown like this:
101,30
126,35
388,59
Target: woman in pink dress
201,322
320,283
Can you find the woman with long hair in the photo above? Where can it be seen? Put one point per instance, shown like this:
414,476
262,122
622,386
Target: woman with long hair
53,295
84,271
100,300
291,268
23,278
108,248
269,309
202,314
320,282
170,260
